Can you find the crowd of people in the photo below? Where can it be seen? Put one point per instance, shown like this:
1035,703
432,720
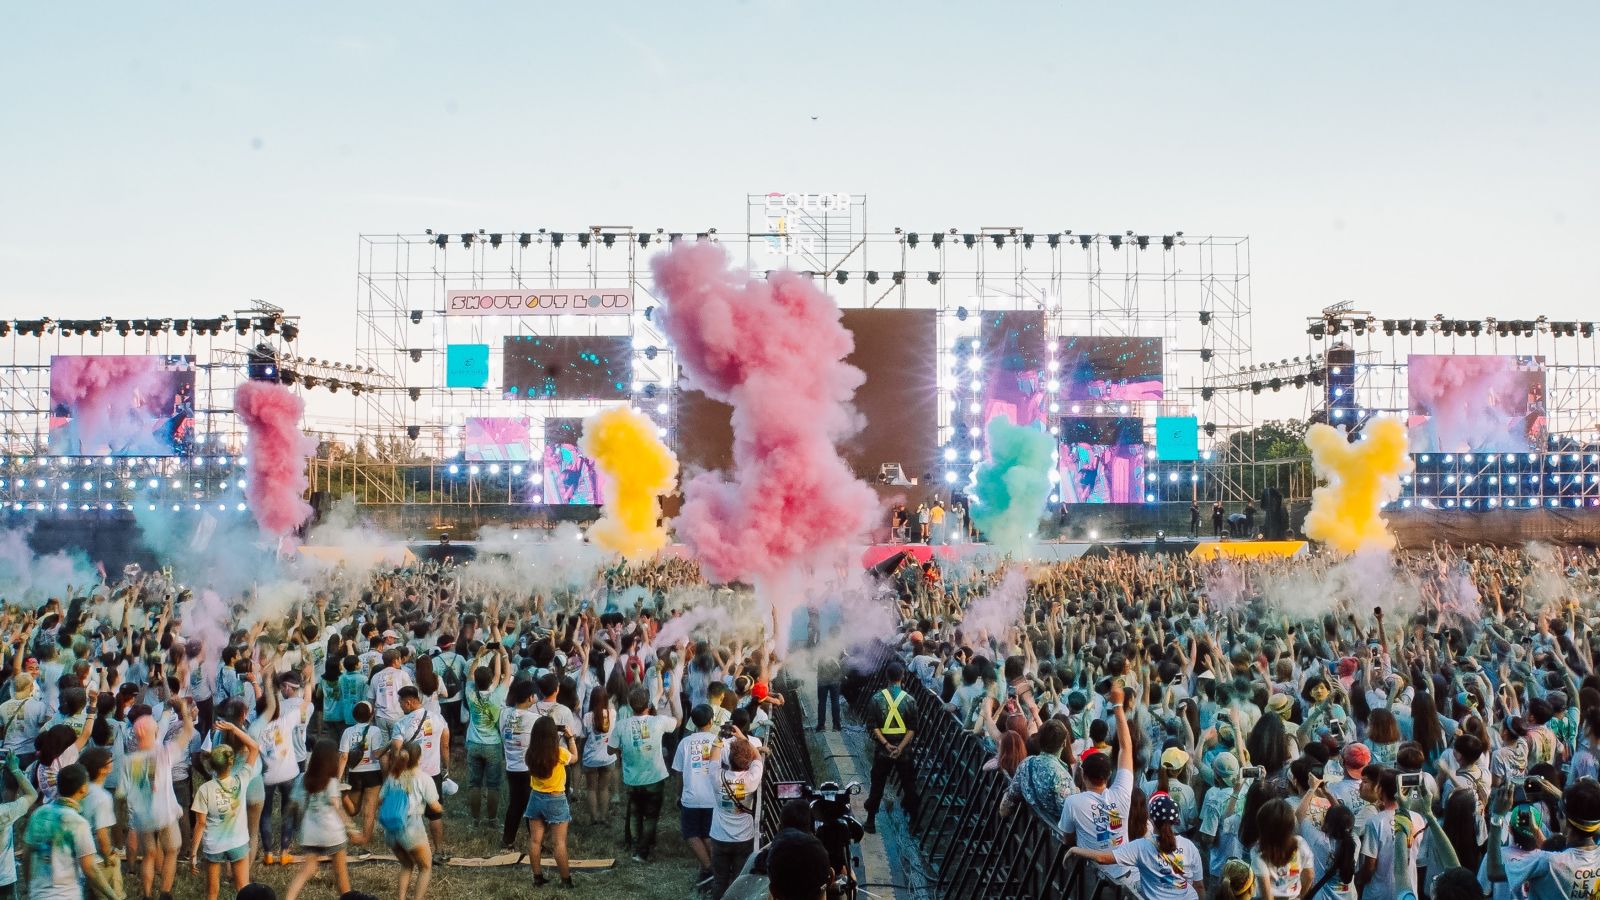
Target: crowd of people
1194,729
1188,728
143,738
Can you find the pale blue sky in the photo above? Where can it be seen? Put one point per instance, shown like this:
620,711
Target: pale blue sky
178,158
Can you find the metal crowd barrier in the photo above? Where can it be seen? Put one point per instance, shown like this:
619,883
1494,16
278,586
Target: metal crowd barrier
790,760
970,849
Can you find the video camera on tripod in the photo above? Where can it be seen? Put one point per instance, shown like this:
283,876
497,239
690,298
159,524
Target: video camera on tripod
834,826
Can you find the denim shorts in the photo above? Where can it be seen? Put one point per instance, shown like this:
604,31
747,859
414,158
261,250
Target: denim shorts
552,809
485,766
227,856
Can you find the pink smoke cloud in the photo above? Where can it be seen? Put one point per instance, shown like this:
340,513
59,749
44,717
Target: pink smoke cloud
1474,403
275,461
774,350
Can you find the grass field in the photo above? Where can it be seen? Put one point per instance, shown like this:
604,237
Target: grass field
670,874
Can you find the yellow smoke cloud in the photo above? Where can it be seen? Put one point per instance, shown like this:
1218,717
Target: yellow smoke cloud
1360,478
638,469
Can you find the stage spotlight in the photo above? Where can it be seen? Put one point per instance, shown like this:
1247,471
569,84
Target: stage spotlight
911,240
123,327
1205,317
466,239
524,239
440,240
494,240
1167,241
290,331
416,317
899,278
1054,240
1207,393
181,326
1116,241
969,240
414,393
413,431
1143,241
841,276
961,313
1027,242
938,240
583,239
415,354
933,277
1084,240
556,238
1205,355
1255,387
872,278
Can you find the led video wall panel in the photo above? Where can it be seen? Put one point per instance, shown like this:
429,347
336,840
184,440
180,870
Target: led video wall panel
1102,460
567,368
497,439
121,405
570,478
466,365
1110,369
1013,372
1472,404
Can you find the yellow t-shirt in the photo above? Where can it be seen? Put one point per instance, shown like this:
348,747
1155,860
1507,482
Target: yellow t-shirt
936,515
557,782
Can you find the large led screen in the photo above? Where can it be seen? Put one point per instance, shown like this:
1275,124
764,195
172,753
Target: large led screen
1109,369
1471,404
569,476
567,368
1102,460
497,439
121,405
1013,367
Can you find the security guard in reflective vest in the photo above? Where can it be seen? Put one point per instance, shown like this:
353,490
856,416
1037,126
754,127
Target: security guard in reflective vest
892,720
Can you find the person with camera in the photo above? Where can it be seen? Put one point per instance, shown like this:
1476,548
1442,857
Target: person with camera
894,716
1384,835
1097,818
733,822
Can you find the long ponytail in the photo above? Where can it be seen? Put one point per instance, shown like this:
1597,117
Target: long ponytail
1166,838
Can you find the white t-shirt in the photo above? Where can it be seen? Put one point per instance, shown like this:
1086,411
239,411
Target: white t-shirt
516,730
1100,820
596,755
152,805
563,716
223,802
700,787
430,731
277,749
1286,879
386,685
737,789
1379,842
1567,873
1322,853
320,822
59,837
376,739
9,814
1161,876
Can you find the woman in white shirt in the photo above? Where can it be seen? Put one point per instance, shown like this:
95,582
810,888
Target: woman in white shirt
1166,864
1282,862
733,820
325,828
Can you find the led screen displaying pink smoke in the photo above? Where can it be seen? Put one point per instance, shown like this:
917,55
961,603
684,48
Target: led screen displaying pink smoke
1475,404
275,459
774,350
121,405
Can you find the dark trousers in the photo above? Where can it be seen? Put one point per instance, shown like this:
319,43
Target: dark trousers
275,839
518,789
726,861
827,697
882,765
644,808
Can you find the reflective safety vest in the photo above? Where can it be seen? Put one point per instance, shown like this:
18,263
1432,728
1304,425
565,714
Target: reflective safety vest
893,722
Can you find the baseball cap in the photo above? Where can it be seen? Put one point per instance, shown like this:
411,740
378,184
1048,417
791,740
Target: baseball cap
1163,808
1355,756
1348,666
1226,767
1174,758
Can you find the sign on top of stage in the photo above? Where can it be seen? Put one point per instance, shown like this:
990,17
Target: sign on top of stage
605,301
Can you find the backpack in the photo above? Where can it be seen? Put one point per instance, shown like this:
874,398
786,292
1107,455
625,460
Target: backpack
394,807
450,674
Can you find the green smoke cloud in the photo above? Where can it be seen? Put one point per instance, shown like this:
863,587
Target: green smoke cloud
1013,485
